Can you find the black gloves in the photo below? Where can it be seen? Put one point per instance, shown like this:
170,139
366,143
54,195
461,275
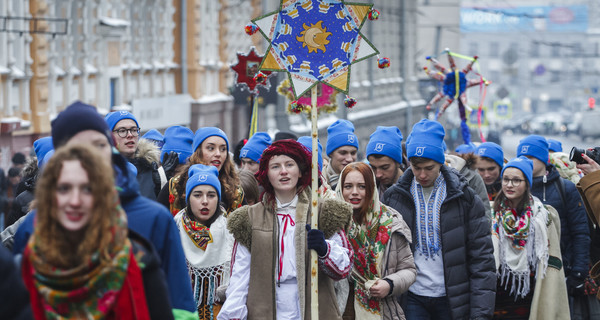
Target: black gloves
316,241
155,178
170,161
575,284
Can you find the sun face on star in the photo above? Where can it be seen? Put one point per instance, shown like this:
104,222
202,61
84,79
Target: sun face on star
314,37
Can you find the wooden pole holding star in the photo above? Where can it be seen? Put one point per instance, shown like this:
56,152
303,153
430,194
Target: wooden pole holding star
314,42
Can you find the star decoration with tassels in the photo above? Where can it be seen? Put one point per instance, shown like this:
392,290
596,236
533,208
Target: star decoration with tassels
315,41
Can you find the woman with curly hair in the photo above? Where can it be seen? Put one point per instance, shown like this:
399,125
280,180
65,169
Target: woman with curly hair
210,147
270,263
81,261
384,267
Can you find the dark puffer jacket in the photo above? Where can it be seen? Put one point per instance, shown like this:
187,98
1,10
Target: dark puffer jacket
467,251
574,231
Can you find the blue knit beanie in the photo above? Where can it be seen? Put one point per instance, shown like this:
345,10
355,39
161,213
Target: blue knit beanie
203,133
75,118
41,147
339,134
46,158
524,164
178,139
535,146
554,145
491,150
465,148
386,141
307,142
200,174
155,136
112,118
426,141
255,146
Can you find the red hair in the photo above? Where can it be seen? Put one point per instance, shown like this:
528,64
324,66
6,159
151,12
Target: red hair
292,149
367,173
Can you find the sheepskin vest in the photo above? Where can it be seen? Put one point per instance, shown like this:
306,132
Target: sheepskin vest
257,228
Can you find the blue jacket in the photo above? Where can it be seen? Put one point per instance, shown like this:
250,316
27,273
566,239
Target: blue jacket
151,220
574,230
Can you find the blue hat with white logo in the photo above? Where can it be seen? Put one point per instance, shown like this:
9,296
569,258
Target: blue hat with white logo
535,146
200,174
112,118
524,164
255,146
339,134
386,141
426,140
491,150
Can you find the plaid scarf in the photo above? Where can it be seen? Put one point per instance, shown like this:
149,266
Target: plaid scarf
429,241
87,291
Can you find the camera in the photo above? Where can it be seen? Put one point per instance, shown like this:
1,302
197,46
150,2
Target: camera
576,157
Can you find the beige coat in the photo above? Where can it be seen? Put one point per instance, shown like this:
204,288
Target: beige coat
550,300
400,267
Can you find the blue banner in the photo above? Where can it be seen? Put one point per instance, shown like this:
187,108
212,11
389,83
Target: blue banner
524,19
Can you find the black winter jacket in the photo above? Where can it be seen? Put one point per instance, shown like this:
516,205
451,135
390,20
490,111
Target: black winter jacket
467,251
574,230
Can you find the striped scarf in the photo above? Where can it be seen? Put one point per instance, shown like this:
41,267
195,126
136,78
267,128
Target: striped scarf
428,216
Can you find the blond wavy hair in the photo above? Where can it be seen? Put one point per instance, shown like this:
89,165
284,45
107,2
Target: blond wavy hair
52,240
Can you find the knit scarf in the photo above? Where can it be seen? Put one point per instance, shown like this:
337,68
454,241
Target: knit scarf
198,233
87,291
429,240
520,243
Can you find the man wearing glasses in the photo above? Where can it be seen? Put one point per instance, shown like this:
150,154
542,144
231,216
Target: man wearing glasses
561,194
140,152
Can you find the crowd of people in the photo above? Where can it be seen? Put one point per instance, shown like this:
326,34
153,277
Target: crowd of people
107,224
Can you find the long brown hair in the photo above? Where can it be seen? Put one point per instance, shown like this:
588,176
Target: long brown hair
367,173
227,176
51,238
523,202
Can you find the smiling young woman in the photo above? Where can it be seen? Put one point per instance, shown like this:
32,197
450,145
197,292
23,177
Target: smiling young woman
81,256
378,277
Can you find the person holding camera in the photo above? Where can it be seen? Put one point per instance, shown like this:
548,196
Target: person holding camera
589,188
561,194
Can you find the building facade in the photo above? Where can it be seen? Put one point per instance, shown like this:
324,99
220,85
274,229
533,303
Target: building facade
168,61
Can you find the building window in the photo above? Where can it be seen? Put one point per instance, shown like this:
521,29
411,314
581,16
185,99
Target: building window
555,50
554,76
494,48
535,50
473,48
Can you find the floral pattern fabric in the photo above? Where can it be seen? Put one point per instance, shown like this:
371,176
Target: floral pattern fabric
369,242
